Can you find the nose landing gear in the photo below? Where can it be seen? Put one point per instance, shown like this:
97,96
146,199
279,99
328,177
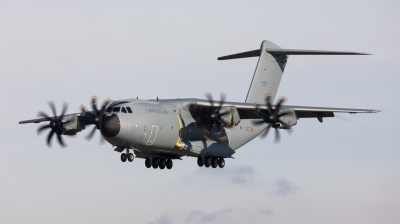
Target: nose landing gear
130,157
127,156
123,157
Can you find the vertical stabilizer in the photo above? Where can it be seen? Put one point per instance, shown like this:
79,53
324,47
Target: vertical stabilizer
269,70
268,74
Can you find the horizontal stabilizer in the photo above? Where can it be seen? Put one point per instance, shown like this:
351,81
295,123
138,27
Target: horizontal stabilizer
257,53
311,52
247,54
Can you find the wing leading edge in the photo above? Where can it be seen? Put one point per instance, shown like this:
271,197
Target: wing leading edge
81,116
248,111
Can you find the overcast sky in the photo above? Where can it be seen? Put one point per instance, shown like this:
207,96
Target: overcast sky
339,171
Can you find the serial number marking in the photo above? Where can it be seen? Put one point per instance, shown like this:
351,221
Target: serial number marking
156,111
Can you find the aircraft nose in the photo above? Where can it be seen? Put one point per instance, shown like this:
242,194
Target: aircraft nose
110,125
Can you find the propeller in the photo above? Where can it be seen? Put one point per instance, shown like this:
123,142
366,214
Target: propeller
55,124
214,116
96,115
272,117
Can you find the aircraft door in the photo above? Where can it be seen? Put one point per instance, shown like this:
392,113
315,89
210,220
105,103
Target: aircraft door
153,135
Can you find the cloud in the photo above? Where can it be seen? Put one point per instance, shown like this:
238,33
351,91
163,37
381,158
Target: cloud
241,175
163,220
199,216
284,187
266,212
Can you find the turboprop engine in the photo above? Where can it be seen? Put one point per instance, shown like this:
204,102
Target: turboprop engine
72,125
231,116
289,119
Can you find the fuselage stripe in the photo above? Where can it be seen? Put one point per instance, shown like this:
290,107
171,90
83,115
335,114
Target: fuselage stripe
178,142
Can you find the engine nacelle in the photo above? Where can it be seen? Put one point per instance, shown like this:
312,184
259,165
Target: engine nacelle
72,125
290,119
232,117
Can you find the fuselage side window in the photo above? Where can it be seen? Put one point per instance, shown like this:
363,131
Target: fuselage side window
129,110
116,109
123,110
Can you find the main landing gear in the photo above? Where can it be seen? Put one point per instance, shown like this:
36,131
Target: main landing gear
127,156
211,161
159,163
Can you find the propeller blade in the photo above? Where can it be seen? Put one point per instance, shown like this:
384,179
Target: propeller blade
41,128
60,140
268,103
290,131
222,101
43,114
210,99
103,108
278,106
277,136
83,108
90,135
53,108
49,138
259,122
64,110
95,111
265,133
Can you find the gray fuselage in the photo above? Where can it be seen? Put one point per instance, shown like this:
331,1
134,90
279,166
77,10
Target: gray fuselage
166,126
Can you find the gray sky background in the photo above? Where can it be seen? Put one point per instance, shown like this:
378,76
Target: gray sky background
335,172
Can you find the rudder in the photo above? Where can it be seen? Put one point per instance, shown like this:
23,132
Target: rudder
268,74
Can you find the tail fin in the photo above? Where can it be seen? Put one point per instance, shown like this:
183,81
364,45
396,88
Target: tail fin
270,67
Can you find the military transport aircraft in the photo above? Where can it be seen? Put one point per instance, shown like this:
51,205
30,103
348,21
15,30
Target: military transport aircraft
160,131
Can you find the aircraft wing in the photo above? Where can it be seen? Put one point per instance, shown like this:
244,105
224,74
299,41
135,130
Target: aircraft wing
82,117
309,112
249,111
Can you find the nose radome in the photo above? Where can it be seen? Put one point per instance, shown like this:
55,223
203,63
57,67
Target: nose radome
110,125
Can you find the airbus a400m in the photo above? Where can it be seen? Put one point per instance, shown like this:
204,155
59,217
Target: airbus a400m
160,131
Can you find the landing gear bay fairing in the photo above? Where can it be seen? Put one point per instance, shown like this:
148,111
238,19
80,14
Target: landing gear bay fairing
160,131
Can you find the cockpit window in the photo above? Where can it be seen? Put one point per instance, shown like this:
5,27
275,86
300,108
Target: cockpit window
123,110
116,109
109,109
129,109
